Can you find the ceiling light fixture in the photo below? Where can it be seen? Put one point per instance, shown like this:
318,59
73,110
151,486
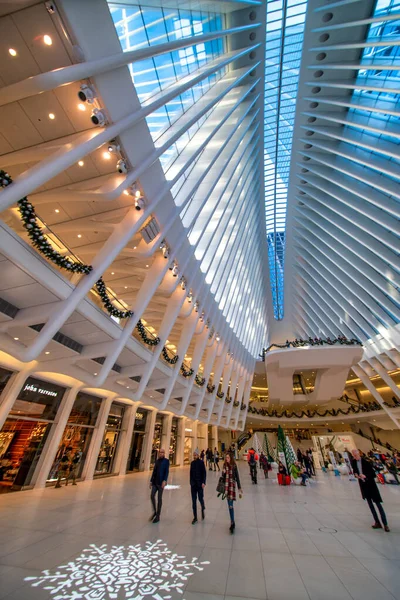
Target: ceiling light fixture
106,155
79,235
112,273
47,352
16,339
52,116
81,107
12,52
57,210
47,40
81,163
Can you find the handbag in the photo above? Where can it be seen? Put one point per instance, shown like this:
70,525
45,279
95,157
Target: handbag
221,487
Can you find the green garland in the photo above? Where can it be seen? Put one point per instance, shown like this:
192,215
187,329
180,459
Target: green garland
186,372
299,343
199,380
236,403
243,406
210,388
109,306
171,361
145,338
39,241
228,399
220,395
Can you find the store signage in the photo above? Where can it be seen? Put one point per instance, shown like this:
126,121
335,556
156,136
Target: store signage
139,416
29,387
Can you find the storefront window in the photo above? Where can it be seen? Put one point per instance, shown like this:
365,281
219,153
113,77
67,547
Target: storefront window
135,454
38,400
174,441
105,461
24,433
158,430
5,375
76,438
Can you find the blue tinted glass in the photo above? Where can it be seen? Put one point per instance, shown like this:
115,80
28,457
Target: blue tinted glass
285,31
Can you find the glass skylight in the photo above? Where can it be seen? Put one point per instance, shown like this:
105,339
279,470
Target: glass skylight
284,41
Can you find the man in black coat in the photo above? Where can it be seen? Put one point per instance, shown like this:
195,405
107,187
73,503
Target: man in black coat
158,481
364,472
198,476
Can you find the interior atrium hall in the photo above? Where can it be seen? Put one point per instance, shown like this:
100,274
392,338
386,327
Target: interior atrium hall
199,249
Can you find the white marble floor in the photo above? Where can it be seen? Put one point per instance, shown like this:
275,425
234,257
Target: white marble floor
291,543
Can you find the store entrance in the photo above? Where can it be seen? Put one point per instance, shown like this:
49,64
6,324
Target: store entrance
22,443
136,451
105,461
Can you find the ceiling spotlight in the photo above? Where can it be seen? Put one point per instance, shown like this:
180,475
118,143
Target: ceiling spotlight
94,373
98,117
12,52
52,116
139,203
106,155
190,297
113,147
87,94
196,309
16,339
79,235
57,210
47,352
121,167
218,338
175,270
147,266
112,273
183,283
81,163
47,40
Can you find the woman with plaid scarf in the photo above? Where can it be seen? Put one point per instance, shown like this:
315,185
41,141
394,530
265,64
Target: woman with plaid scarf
231,475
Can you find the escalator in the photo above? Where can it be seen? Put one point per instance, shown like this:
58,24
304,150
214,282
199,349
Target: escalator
242,439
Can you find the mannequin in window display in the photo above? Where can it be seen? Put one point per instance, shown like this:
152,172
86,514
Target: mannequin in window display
64,467
74,466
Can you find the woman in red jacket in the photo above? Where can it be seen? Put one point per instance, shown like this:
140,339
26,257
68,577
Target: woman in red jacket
231,475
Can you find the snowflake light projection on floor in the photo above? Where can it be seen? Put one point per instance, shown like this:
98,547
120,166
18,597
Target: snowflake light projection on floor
133,572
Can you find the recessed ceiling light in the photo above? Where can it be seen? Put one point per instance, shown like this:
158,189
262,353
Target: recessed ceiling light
47,40
94,373
151,396
126,287
57,210
134,247
47,352
81,163
79,235
12,52
81,107
126,192
127,387
52,116
112,273
147,266
106,155
16,339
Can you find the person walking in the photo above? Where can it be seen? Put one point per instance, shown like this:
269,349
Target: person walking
216,459
73,469
231,477
252,460
364,472
158,482
307,464
210,458
198,476
202,455
264,464
64,467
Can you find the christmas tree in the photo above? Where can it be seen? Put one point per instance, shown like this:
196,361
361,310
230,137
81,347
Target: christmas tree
285,448
257,445
269,451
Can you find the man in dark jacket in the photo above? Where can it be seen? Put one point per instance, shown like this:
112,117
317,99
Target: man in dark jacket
157,483
197,484
364,472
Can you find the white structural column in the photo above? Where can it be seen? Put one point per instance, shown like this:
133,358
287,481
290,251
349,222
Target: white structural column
214,437
180,444
148,440
371,388
125,439
53,441
98,434
381,371
11,391
166,433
